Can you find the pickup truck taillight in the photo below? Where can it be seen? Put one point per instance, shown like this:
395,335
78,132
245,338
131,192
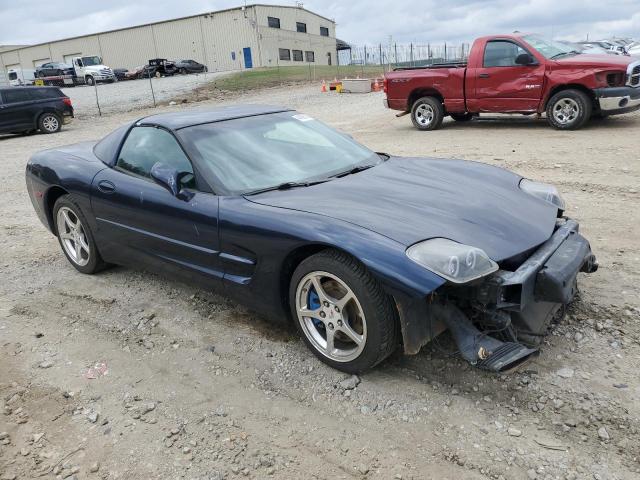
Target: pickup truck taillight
66,101
384,84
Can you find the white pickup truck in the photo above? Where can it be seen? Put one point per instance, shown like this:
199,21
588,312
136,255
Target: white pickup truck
89,69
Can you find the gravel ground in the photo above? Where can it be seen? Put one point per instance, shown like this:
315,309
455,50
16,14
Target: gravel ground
198,387
133,94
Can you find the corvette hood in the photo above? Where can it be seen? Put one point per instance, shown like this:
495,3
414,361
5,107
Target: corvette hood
414,199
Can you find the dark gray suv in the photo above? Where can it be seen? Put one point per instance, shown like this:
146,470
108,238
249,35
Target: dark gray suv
26,109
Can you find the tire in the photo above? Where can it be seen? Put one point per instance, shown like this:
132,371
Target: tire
49,123
89,80
158,75
569,110
41,74
427,113
462,117
87,258
368,314
183,71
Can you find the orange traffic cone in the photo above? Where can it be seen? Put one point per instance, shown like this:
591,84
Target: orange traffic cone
324,87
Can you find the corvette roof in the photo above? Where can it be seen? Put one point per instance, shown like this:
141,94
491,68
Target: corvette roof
178,120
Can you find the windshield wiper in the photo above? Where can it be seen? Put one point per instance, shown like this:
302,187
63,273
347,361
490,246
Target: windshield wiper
286,186
572,52
357,169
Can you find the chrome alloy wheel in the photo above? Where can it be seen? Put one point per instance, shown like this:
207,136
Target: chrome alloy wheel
565,111
72,236
50,123
331,316
424,114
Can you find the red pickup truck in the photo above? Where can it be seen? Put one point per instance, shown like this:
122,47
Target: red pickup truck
520,73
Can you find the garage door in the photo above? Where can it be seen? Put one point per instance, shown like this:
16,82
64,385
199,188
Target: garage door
68,59
40,61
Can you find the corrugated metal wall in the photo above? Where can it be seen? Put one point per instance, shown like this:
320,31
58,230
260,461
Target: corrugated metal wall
216,39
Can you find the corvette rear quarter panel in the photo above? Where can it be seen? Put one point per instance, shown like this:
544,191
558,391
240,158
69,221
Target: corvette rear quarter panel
247,228
52,169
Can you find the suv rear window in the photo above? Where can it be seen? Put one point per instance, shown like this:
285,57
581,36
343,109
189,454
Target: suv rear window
29,94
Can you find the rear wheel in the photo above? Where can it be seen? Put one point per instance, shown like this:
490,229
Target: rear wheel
341,312
49,123
75,236
427,113
183,71
569,109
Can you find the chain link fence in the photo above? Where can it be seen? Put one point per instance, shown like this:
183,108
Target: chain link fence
145,87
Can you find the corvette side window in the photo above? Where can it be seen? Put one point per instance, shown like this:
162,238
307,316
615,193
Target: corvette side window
145,146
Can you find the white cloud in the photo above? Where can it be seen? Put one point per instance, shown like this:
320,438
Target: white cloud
358,21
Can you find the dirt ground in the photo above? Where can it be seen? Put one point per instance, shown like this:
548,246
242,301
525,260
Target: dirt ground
126,375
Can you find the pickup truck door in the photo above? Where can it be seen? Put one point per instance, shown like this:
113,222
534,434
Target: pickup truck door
502,85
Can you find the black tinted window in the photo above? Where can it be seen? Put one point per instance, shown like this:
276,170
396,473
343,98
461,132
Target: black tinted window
44,93
501,53
14,96
324,31
311,56
285,54
301,27
297,55
145,146
273,22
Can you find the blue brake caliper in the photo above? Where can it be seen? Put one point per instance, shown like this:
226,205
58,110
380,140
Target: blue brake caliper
314,302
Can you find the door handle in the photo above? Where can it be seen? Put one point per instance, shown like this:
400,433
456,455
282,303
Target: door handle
484,75
105,186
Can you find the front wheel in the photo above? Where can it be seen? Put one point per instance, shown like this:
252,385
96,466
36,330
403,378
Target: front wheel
427,113
89,80
75,236
569,110
342,313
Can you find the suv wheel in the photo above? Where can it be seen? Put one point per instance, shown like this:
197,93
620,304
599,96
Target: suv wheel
343,314
427,113
569,110
49,123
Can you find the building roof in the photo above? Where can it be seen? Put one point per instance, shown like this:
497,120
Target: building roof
178,120
166,21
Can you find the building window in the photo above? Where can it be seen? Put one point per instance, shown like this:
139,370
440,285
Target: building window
324,31
273,22
285,54
297,55
311,57
301,27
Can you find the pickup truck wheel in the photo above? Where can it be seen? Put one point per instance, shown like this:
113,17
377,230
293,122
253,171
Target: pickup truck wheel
342,313
427,113
569,110
49,123
89,80
462,117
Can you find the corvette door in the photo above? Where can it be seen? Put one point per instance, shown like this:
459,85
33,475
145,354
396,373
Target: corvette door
141,222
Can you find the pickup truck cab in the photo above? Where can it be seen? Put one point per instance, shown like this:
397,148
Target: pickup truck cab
519,73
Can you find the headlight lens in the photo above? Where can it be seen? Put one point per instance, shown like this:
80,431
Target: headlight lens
544,191
454,261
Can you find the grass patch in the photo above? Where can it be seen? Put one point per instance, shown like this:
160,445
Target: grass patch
270,77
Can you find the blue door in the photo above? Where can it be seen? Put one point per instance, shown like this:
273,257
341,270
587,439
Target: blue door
248,63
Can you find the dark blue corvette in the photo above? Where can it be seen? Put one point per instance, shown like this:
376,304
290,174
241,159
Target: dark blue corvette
365,251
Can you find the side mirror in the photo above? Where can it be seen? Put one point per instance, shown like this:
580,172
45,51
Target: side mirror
525,59
170,179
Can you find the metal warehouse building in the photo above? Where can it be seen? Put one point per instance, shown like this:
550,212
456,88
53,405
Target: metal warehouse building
244,37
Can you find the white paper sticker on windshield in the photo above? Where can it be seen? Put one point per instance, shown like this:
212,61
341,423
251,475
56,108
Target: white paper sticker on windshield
302,117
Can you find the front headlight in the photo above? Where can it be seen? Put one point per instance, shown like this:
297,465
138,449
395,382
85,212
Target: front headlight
454,261
544,191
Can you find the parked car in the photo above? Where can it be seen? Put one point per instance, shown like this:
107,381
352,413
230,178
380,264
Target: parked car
518,73
26,109
120,73
609,46
21,76
135,72
53,69
363,251
159,67
190,66
588,48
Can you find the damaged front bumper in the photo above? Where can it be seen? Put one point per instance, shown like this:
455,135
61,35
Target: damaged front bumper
617,100
516,306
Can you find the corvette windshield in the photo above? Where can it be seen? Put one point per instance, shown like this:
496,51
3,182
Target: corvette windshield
266,151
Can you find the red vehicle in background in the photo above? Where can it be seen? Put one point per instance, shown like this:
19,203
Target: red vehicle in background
520,73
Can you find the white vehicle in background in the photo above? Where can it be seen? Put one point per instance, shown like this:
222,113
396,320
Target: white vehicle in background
90,69
21,76
634,49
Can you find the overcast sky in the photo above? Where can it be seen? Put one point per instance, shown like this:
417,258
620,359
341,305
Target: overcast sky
358,21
